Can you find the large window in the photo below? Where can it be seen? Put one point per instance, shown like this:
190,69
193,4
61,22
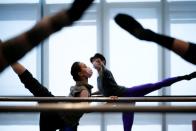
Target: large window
131,0
19,128
18,1
182,26
71,44
66,47
8,30
15,19
132,61
183,31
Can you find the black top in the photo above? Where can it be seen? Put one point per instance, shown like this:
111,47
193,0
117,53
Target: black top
49,121
107,84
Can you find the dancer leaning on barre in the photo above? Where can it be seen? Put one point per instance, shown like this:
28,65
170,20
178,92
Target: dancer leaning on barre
186,50
58,120
108,87
15,48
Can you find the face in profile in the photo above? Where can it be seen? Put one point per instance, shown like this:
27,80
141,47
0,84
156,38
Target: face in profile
85,70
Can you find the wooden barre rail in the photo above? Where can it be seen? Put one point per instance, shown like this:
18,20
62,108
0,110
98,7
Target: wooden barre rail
100,99
80,107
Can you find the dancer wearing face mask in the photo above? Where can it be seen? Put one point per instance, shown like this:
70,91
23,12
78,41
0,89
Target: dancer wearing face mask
51,121
108,86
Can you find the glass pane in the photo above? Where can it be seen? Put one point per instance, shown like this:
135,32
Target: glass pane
19,128
179,122
181,0
89,128
181,127
131,0
72,44
58,1
135,127
133,62
141,121
150,127
116,127
184,31
10,29
90,121
18,1
62,1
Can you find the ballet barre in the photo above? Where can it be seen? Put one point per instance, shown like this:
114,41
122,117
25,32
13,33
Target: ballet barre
99,99
84,107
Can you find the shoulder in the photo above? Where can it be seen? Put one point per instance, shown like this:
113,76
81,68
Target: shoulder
75,90
106,71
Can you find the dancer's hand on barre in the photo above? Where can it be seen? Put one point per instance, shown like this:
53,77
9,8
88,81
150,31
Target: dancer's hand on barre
114,97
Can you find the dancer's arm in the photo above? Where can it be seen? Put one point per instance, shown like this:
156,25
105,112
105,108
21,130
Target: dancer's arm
84,93
96,93
33,85
18,68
